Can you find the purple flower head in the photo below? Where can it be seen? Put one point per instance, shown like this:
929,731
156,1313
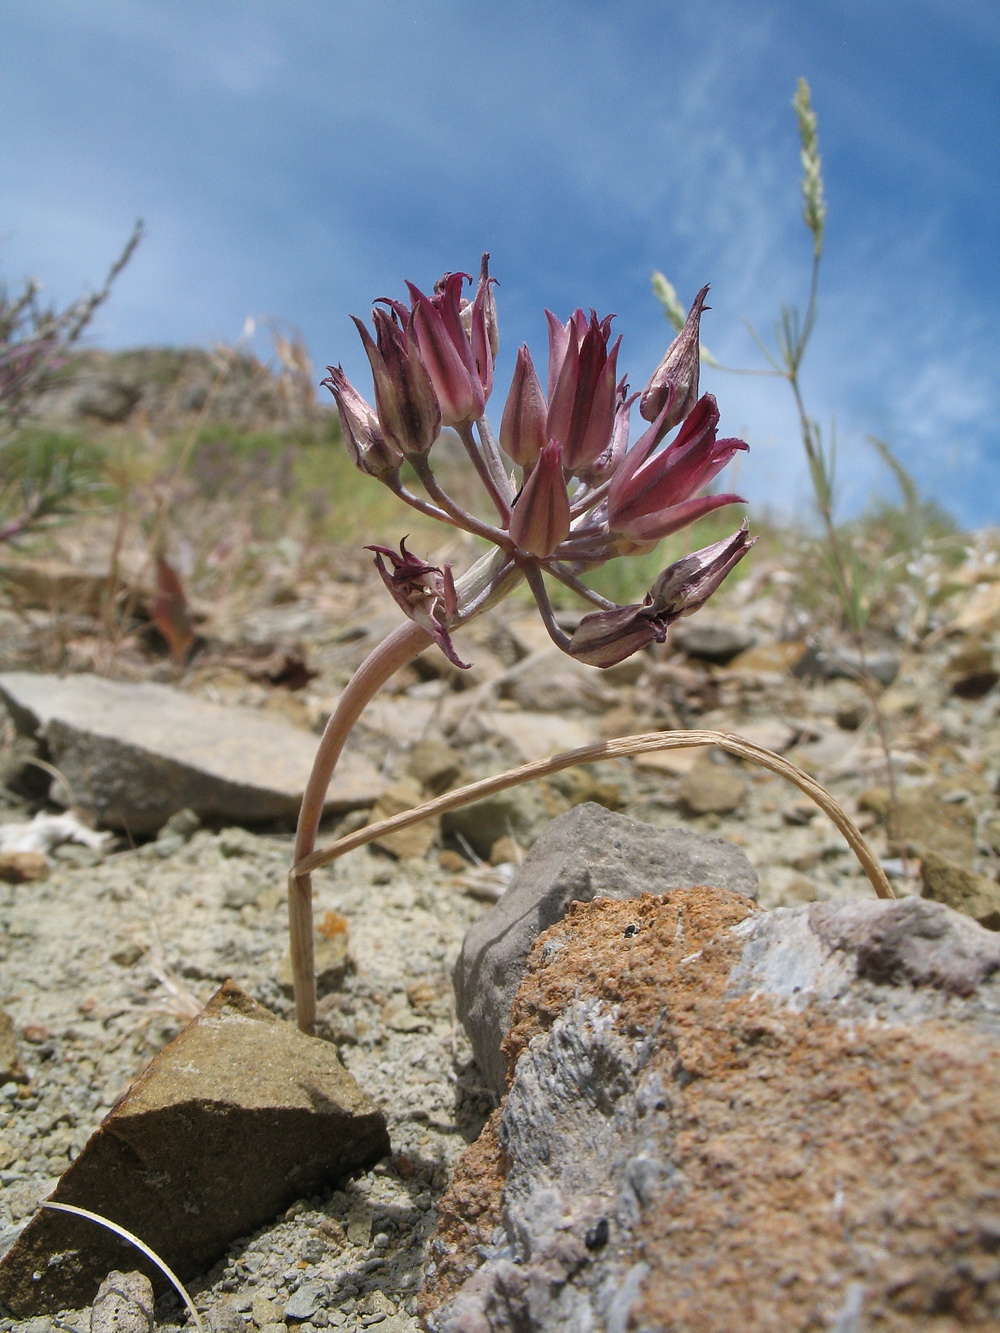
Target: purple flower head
653,494
583,496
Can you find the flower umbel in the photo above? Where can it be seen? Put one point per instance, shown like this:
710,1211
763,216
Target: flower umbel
584,496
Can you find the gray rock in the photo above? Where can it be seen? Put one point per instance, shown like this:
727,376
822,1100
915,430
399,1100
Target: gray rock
306,1300
515,812
123,1304
905,949
135,755
223,1317
240,1115
538,735
881,662
739,1097
712,640
551,682
711,789
585,854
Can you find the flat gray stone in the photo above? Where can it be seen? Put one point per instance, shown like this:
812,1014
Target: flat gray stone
306,1300
587,853
712,640
135,754
240,1115
551,682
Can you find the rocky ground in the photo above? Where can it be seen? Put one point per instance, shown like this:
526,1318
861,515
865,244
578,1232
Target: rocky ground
106,951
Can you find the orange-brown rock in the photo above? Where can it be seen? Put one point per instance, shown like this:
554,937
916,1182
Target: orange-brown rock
721,1118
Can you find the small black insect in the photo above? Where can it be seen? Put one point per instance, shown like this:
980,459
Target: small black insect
629,931
597,1237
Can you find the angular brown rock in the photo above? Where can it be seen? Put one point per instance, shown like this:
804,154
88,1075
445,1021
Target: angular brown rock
240,1115
11,1068
965,890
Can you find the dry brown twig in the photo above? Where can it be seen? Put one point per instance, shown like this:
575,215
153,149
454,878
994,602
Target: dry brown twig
619,748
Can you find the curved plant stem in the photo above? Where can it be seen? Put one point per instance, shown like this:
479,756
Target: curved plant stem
381,663
618,748
139,1245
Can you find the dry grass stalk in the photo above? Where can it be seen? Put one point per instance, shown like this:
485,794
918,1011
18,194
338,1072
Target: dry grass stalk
139,1245
618,748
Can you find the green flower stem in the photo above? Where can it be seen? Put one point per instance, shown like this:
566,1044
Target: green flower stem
489,471
450,512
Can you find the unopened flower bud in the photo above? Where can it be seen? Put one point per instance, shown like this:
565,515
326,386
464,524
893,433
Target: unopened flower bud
675,379
540,518
408,410
487,301
447,352
582,387
368,447
522,427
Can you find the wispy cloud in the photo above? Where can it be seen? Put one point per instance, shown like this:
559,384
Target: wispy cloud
300,160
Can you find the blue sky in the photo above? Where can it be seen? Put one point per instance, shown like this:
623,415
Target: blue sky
295,159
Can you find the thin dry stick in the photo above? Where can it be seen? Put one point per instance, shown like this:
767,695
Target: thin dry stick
139,1245
618,748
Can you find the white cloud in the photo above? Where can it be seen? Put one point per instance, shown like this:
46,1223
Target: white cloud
300,160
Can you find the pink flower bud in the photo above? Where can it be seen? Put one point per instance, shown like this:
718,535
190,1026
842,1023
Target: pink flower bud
522,428
540,519
582,387
447,352
368,447
675,379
